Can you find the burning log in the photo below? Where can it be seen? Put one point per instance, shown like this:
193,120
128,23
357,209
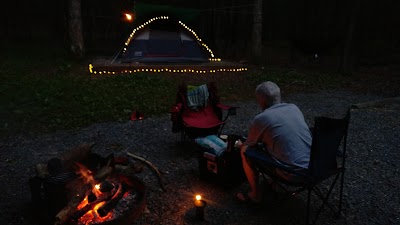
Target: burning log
69,158
106,186
90,204
71,206
105,171
151,165
110,205
64,162
87,187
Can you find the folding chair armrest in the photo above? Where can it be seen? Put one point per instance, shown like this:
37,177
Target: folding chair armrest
226,107
263,159
292,169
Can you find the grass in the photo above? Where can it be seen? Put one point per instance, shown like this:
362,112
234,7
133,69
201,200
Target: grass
44,91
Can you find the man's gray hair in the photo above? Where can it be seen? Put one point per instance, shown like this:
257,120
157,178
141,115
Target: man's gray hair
270,91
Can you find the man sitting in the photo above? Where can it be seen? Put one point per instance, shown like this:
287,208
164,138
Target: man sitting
283,131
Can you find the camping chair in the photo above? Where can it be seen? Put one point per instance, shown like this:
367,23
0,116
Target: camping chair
328,136
202,121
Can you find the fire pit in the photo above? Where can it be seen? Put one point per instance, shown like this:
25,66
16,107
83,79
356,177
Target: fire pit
93,190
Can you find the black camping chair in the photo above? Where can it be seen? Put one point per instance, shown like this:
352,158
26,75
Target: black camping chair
328,145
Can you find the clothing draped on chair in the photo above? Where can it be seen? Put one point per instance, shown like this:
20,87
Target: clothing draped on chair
198,97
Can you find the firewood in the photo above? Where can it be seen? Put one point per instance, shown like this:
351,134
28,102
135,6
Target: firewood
71,206
77,198
104,197
151,165
129,169
76,154
64,162
105,171
108,206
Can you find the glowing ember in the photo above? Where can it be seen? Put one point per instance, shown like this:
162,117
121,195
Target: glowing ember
83,203
97,186
93,217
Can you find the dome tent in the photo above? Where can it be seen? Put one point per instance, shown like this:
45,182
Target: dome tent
162,39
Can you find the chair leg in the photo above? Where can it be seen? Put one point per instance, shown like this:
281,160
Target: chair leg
325,199
341,194
183,136
308,206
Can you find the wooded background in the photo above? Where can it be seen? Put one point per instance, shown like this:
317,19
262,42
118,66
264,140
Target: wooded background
338,31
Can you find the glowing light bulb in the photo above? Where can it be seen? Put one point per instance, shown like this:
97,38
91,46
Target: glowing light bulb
128,16
198,197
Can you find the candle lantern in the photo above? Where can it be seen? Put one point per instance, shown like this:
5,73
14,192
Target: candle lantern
199,204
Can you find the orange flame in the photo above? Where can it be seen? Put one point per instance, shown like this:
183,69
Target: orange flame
83,203
87,218
87,176
93,217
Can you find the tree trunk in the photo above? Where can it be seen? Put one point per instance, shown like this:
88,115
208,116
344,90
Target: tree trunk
76,43
346,62
257,32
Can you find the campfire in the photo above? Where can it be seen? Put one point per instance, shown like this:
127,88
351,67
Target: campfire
83,188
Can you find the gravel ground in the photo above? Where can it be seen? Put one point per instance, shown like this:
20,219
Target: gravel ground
371,181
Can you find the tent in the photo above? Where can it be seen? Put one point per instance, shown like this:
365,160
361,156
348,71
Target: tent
164,40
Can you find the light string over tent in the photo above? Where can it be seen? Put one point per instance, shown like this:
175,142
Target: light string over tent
218,68
127,42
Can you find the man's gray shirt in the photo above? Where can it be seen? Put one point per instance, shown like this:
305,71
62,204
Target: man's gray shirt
284,132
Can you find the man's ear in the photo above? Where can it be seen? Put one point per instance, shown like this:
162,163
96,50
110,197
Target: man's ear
262,102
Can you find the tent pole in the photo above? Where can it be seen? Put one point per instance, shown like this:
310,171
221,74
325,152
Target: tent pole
116,55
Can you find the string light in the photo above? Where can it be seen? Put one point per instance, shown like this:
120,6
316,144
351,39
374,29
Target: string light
169,70
197,38
92,70
213,59
141,27
128,16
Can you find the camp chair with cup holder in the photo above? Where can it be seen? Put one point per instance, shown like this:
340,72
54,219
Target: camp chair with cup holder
326,165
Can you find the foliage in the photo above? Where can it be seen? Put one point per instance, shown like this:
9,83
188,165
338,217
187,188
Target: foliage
44,91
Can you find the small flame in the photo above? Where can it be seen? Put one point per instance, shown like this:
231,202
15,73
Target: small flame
98,206
198,197
87,176
83,203
97,186
93,217
85,219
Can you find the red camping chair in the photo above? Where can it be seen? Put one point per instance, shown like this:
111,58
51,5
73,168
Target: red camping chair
200,122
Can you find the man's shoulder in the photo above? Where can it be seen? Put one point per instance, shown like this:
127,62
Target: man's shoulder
286,104
281,106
